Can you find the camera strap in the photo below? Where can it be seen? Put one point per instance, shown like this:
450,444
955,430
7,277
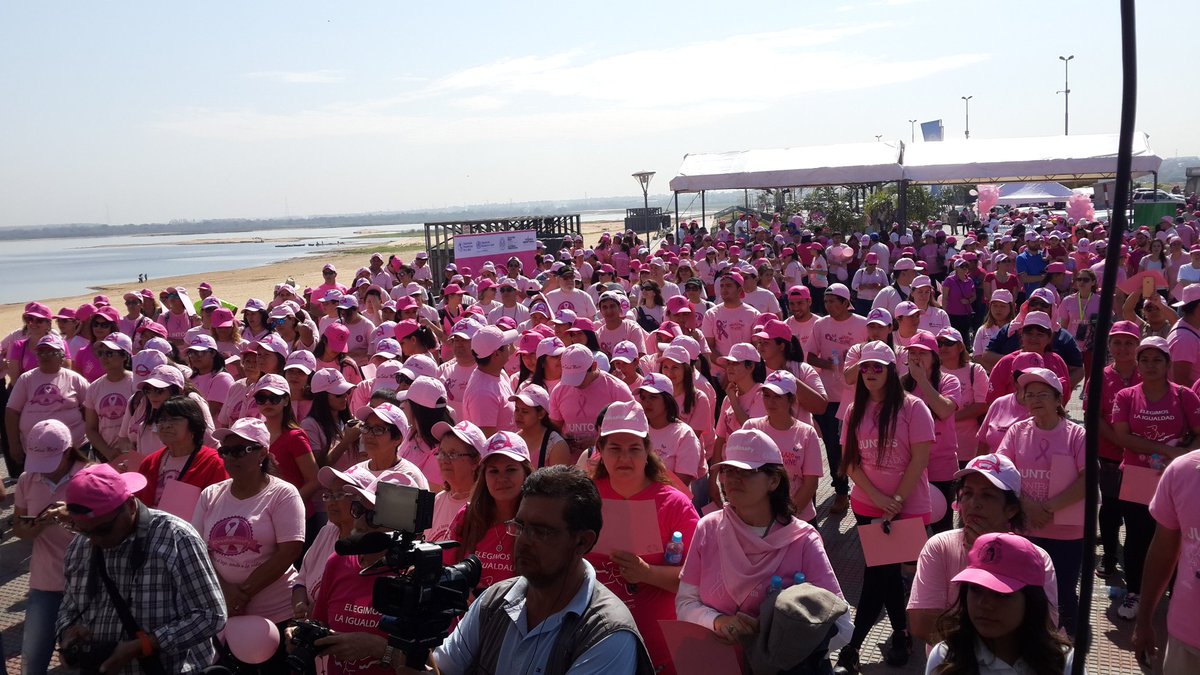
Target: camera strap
150,664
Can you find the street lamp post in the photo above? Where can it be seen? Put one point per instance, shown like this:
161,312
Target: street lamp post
643,179
967,105
912,126
1066,92
878,137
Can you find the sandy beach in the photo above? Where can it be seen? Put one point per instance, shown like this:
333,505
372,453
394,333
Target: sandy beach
256,282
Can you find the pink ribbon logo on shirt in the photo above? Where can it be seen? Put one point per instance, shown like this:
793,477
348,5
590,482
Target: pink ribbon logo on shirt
232,536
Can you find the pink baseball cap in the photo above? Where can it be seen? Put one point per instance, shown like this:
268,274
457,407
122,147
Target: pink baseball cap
119,341
626,351
673,352
838,290
45,445
1025,360
164,376
774,329
1004,563
144,363
490,338
1042,375
508,444
625,417
581,325
800,293
329,380
532,395
387,348
1153,342
750,449
272,383
405,328
101,490
302,360
678,304
419,365
1002,295
386,412
222,317
741,351
657,383
468,432
425,391
690,344
565,316
1189,295
880,316
877,352
577,360
367,494
550,346
872,258
904,264
337,337
465,329
53,341
781,382
907,308
1039,319
36,310
528,342
1126,328
923,339
247,428
998,469
201,342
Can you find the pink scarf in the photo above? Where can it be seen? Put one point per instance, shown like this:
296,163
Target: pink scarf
746,556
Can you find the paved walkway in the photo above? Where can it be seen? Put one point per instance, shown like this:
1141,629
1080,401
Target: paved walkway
1110,655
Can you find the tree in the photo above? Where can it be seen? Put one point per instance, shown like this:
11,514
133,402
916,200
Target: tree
833,209
882,206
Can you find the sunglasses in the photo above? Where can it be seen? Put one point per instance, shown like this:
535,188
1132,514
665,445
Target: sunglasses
872,367
264,398
278,322
237,451
131,303
103,324
946,343
357,510
105,353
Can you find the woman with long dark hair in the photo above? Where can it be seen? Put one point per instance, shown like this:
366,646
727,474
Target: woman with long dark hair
671,439
208,372
106,402
531,413
941,392
424,404
332,431
1002,616
694,404
886,441
798,441
289,447
780,350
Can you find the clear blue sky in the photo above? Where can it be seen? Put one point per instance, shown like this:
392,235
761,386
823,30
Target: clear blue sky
148,111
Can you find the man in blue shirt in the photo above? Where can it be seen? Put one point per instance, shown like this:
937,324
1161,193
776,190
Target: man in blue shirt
554,618
1031,265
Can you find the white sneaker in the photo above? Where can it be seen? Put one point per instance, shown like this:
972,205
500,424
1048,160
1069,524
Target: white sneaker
1129,608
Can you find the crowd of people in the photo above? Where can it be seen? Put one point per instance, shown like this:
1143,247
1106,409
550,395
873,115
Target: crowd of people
197,460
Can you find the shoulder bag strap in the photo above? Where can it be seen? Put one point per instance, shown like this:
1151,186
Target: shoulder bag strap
150,664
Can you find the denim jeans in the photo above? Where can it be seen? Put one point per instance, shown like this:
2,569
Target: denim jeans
831,434
1067,556
41,611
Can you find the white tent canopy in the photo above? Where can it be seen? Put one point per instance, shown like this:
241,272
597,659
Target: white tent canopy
1033,193
790,167
1007,160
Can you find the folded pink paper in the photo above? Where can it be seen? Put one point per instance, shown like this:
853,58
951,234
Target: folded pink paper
1138,484
903,544
696,649
179,499
1063,472
629,525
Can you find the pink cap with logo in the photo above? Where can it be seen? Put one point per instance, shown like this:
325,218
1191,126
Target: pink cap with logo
45,445
52,341
1025,360
838,290
201,342
164,376
1039,319
741,351
386,412
508,444
774,329
532,395
425,391
302,360
877,352
405,328
101,490
1127,328
490,338
626,351
551,346
247,428
679,305
120,342
464,430
925,340
1004,563
577,360
781,382
337,337
387,348
419,365
222,317
565,317
799,293
625,417
750,449
880,316
144,363
329,381
997,469
1042,376
657,383
528,342
272,384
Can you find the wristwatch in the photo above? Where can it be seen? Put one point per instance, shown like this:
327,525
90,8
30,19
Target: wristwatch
898,498
387,655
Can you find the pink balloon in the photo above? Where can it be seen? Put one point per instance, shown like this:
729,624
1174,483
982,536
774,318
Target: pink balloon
252,639
937,504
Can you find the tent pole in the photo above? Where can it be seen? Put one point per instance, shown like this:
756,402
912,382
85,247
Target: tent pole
676,209
902,210
703,211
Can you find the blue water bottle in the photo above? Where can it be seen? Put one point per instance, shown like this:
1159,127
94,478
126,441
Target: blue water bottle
798,578
674,553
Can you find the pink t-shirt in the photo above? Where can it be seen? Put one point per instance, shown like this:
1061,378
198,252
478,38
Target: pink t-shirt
1184,343
1031,449
701,417
494,550
809,376
679,448
1002,414
110,401
1073,311
242,534
803,331
831,336
943,454
177,325
626,330
85,362
575,409
648,603
801,449
752,404
973,383
1166,420
485,401
33,494
914,424
424,457
312,569
455,378
944,556
1112,383
214,387
729,326
1001,380
1176,505
445,507
38,396
344,604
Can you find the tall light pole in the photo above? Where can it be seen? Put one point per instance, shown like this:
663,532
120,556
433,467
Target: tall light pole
643,179
967,104
912,126
1066,92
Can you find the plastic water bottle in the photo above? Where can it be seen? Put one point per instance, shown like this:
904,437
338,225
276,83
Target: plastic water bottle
798,578
776,586
836,357
1156,462
674,553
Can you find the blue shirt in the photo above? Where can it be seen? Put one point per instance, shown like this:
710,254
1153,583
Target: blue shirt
526,651
1032,264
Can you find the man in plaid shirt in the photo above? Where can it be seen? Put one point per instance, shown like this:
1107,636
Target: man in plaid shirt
158,565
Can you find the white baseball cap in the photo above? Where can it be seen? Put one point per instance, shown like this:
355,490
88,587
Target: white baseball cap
750,449
577,360
625,417
489,339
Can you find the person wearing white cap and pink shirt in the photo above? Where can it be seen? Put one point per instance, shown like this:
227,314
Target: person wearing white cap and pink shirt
671,440
1184,338
797,440
486,397
460,448
629,470
50,461
1154,421
333,439
457,370
1000,311
480,527
581,394
49,391
887,437
424,404
625,363
1001,619
942,393
987,495
1036,333
1050,485
933,317
531,414
694,403
973,381
298,371
383,428
253,524
208,371
107,398
833,335
1006,410
614,327
756,536
289,444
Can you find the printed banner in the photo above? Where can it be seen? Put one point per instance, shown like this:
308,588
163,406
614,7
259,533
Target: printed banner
473,250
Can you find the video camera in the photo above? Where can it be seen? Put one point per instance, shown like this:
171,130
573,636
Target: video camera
424,597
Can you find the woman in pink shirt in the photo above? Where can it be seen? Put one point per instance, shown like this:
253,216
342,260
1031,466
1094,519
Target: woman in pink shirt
671,440
756,536
942,392
50,461
424,405
886,440
532,417
744,374
781,350
630,470
798,441
695,406
973,380
1048,450
1077,313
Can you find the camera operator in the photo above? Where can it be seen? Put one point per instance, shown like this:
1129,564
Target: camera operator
140,593
555,616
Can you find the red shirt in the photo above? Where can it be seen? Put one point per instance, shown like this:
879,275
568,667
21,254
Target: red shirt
207,469
291,444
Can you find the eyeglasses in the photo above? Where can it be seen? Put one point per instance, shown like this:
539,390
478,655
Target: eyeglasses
738,472
107,325
131,303
238,451
105,353
265,398
330,496
451,456
516,528
872,367
376,429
